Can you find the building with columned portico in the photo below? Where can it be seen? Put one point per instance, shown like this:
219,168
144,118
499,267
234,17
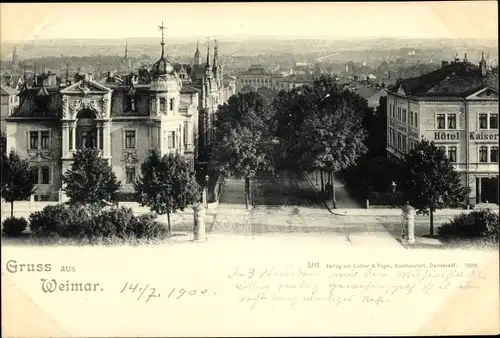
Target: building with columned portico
123,118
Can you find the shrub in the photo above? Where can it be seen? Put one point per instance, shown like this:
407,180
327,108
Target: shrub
78,221
478,224
114,221
92,222
147,226
46,222
14,227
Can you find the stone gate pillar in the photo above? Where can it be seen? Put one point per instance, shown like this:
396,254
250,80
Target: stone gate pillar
199,223
408,223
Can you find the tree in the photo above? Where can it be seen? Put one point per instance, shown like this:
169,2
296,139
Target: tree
331,142
375,123
244,143
90,178
18,179
3,144
167,184
324,128
429,182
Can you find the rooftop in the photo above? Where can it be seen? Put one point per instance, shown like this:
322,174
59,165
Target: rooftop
455,79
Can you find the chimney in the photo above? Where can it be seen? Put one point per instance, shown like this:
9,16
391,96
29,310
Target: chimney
444,63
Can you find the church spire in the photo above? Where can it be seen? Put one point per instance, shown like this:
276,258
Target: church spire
14,56
197,54
126,49
216,55
207,65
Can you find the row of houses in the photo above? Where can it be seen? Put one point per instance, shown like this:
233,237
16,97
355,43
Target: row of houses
167,107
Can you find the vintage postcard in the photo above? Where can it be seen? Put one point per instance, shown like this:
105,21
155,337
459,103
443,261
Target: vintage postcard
249,169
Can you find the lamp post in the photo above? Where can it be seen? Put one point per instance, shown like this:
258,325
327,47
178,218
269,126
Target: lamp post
394,186
205,192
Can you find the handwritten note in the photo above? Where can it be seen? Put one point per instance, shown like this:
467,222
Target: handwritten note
350,284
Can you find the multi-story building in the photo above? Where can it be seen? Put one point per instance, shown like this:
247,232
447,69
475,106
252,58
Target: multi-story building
9,101
255,78
123,118
212,86
455,106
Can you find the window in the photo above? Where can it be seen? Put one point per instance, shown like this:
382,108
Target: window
88,139
34,171
404,143
399,114
33,140
452,121
71,138
162,104
441,121
171,104
399,141
493,121
411,119
390,110
130,139
416,119
404,115
44,140
483,121
171,140
483,154
45,175
493,154
452,154
130,175
185,134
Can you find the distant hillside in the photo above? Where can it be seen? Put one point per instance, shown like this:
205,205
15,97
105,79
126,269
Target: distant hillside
231,46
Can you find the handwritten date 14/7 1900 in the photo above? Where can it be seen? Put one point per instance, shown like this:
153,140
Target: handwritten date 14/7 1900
146,292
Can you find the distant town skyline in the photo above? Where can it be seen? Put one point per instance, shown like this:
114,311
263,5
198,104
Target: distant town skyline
453,19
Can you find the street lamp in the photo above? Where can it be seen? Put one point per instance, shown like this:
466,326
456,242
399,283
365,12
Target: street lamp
205,191
394,186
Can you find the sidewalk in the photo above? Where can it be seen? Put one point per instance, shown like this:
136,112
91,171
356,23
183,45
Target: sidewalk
233,194
347,207
342,197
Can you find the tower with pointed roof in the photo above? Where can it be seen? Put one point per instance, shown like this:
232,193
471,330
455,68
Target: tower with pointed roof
482,65
164,100
15,60
197,54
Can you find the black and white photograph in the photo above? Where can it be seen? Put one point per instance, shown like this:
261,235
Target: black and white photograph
249,169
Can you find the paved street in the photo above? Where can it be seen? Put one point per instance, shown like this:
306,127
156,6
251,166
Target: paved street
284,204
288,204
343,200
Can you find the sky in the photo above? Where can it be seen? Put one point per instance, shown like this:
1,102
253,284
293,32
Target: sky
451,19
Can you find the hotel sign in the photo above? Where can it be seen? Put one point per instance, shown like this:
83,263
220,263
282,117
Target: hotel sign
483,136
447,136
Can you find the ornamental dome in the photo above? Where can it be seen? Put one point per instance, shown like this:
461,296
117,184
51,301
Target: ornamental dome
162,67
